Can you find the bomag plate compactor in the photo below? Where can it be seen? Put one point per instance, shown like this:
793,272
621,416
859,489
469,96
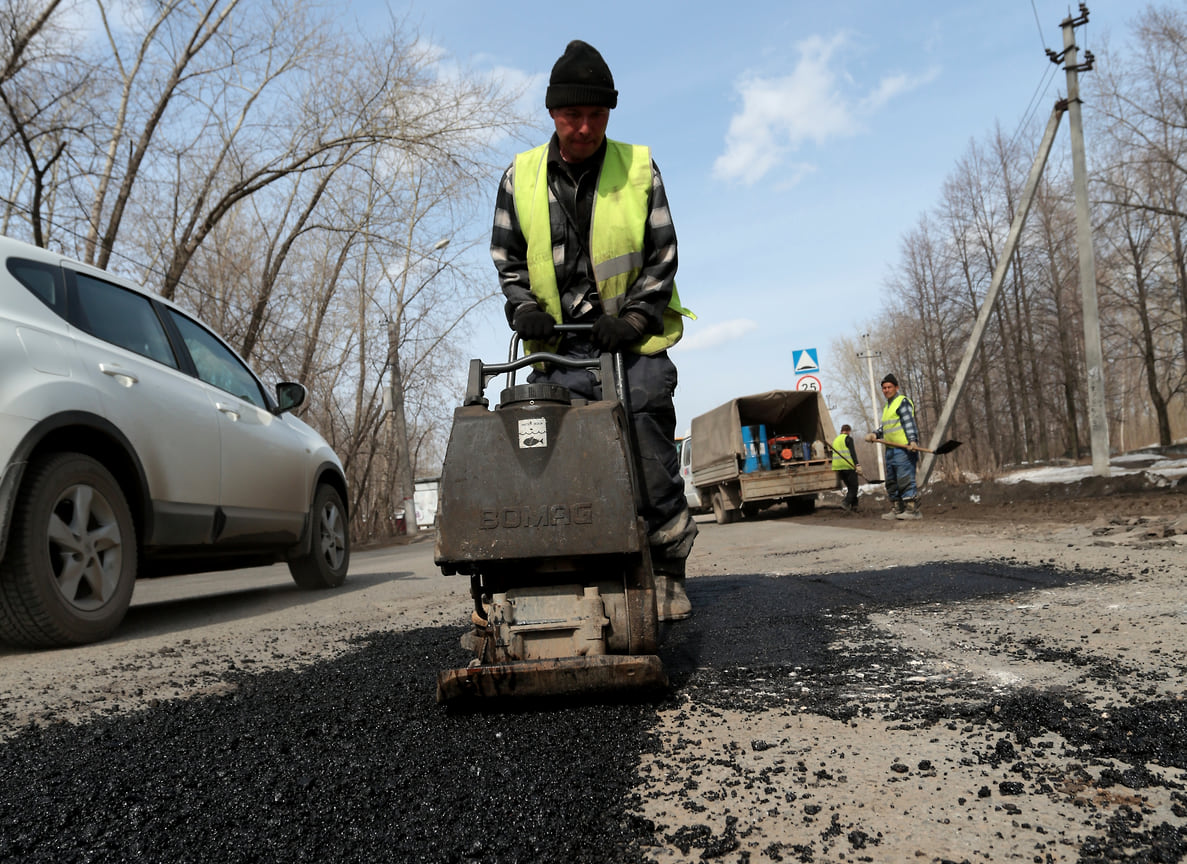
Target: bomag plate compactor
539,505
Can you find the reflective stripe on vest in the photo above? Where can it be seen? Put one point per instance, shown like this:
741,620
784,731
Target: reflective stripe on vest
892,424
842,463
616,241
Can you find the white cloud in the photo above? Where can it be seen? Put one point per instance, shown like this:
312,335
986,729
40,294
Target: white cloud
717,334
795,172
521,92
530,87
890,87
779,115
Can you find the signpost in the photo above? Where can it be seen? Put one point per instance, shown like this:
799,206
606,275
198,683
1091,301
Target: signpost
804,360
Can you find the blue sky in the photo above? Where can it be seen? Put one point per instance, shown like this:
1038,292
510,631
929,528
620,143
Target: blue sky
799,141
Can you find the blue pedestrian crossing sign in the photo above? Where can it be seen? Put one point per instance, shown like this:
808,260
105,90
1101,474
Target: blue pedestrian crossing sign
804,360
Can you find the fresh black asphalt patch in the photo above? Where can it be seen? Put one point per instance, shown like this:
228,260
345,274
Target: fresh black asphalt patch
351,759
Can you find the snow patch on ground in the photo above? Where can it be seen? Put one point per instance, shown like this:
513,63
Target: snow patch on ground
1166,469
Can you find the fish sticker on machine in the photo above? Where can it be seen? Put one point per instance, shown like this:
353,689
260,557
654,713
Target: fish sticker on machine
533,432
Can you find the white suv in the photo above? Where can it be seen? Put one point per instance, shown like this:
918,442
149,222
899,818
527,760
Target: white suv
133,441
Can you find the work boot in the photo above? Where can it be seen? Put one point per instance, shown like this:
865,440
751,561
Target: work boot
896,507
846,506
671,601
911,511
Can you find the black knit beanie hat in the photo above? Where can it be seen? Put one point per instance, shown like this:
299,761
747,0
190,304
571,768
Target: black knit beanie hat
580,77
890,379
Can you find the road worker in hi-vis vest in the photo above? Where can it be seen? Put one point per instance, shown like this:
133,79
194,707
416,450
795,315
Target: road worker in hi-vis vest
582,235
898,427
846,465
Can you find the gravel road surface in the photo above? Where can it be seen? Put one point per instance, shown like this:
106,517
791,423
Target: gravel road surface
990,684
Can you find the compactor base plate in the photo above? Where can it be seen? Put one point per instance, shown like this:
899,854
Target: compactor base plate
567,676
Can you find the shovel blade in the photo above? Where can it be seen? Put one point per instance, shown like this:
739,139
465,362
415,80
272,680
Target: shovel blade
946,447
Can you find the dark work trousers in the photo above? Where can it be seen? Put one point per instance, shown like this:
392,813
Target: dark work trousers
652,380
900,474
849,478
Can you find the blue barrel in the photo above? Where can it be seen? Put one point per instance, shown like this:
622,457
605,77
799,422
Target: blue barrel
754,448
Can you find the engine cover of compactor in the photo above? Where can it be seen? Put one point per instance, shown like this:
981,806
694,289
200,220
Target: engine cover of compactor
536,478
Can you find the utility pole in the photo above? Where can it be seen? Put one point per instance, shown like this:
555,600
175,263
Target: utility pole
1093,354
1092,346
877,406
999,275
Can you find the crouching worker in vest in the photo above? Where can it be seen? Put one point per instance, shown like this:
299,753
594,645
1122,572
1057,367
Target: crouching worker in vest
582,235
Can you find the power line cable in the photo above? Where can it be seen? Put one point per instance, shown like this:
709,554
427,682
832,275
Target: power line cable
1039,25
1042,87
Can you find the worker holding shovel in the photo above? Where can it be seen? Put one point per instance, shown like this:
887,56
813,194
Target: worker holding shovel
901,435
845,464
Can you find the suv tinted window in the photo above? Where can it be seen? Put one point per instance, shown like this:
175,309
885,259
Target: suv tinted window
216,364
123,318
43,281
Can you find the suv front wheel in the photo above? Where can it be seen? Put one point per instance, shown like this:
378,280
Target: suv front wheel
329,555
70,567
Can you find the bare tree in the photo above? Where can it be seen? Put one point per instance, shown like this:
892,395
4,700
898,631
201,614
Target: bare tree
1060,328
1028,373
284,178
1144,190
1134,283
43,85
22,21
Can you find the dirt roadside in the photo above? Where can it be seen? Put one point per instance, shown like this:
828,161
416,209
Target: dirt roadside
972,731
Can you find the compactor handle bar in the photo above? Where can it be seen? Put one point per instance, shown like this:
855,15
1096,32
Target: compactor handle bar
481,373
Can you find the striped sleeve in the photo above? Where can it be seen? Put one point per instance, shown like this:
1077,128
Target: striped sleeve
652,290
906,413
509,248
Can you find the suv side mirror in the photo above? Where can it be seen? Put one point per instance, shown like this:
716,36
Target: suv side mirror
289,395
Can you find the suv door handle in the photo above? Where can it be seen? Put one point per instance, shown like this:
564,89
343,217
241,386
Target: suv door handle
229,410
119,373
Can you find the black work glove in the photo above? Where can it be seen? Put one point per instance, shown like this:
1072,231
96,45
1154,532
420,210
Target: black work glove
615,334
532,322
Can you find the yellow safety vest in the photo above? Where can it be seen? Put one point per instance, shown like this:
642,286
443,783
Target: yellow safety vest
842,463
892,425
616,241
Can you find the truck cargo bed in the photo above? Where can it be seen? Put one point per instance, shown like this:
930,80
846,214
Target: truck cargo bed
762,449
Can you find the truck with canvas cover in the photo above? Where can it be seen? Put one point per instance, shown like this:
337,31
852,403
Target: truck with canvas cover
756,451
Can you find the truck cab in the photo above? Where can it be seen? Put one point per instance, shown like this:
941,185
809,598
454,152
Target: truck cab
691,494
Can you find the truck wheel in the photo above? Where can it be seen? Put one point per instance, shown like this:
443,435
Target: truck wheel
329,555
720,513
71,564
